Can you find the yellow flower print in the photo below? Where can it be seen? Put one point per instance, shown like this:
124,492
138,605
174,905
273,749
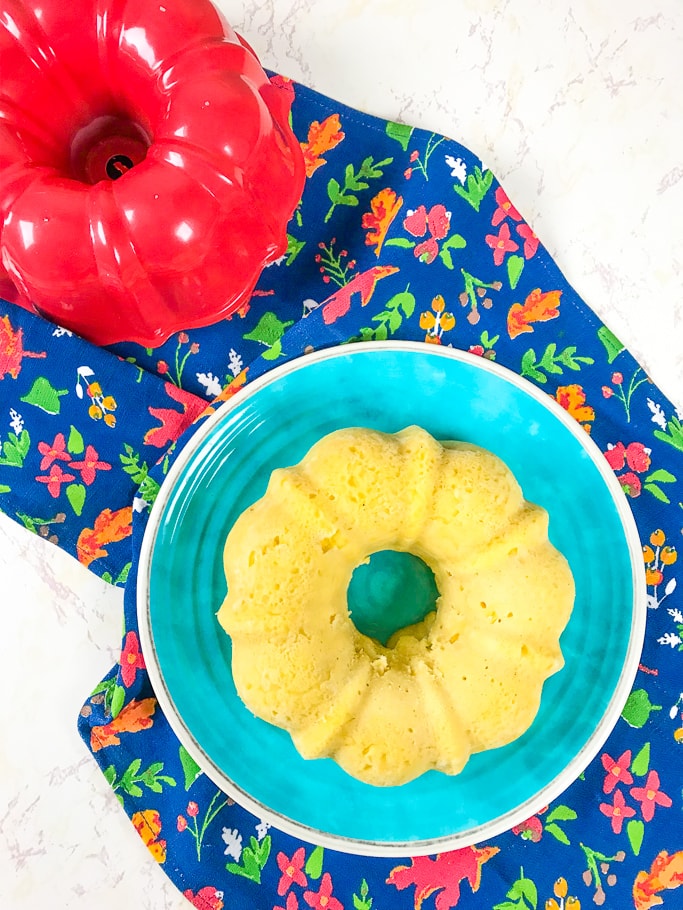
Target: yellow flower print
437,322
148,825
562,899
573,399
101,405
658,556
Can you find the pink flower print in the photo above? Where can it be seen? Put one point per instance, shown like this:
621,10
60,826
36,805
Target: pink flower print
322,899
617,771
437,221
292,902
131,659
501,244
617,811
90,465
54,452
616,456
207,898
637,457
415,222
650,796
55,479
630,484
292,870
530,240
505,208
531,829
428,249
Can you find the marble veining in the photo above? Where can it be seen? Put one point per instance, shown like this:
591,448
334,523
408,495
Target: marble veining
576,107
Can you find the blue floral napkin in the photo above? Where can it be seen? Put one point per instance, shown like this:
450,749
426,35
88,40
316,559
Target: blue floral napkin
400,234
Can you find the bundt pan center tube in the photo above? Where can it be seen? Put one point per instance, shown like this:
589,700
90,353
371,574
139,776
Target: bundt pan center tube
147,166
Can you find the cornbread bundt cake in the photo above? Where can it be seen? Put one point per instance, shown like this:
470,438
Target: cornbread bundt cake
466,678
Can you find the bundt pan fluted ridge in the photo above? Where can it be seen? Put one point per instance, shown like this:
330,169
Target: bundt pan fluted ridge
147,166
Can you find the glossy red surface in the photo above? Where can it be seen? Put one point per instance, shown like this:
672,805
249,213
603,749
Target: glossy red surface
147,166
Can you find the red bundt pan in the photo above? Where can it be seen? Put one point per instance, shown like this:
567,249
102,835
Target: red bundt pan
147,167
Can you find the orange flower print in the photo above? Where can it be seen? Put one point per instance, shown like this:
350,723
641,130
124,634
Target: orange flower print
437,322
666,873
383,209
148,825
538,307
573,400
131,659
133,717
322,137
12,349
109,527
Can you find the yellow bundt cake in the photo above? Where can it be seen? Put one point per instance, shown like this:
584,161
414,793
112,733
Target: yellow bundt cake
466,678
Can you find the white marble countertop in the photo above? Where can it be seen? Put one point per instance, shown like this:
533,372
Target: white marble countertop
577,108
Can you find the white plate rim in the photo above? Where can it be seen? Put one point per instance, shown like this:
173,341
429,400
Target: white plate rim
469,836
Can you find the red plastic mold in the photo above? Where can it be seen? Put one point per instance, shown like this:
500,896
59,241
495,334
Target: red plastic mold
147,166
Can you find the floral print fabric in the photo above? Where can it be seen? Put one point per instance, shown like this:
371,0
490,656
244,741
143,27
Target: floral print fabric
400,234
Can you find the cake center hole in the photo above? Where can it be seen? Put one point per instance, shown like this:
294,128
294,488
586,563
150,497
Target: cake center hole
391,591
107,148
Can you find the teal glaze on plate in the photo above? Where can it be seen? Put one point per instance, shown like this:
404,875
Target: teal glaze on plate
272,424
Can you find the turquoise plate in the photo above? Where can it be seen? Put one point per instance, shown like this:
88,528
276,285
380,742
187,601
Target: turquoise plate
225,467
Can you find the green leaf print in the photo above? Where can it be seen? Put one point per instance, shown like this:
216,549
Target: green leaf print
191,769
401,132
560,813
390,319
476,187
138,472
36,525
75,443
75,493
361,901
45,396
673,435
268,331
294,247
522,895
120,579
551,362
635,829
15,449
314,863
515,267
4,488
557,833
454,242
132,777
354,182
610,342
253,859
652,481
641,762
638,708
118,696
